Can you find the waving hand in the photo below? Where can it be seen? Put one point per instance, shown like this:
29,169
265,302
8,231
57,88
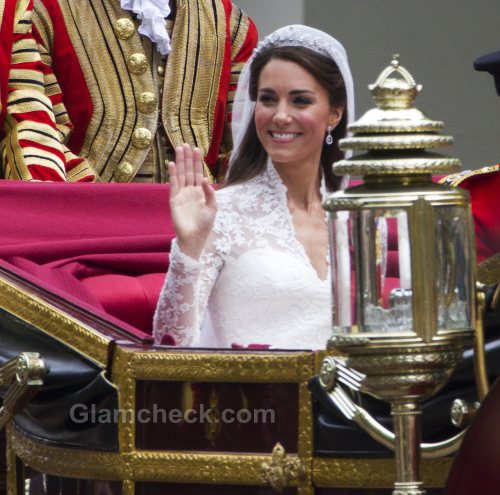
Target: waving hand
192,200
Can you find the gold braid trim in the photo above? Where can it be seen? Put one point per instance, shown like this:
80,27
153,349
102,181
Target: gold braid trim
239,23
236,69
43,23
456,179
22,18
488,271
193,72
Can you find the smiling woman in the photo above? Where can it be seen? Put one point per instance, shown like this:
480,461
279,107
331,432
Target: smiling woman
291,115
250,262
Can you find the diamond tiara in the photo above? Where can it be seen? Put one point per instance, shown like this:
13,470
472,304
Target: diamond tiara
293,37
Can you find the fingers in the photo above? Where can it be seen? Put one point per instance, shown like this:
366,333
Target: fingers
187,170
188,164
198,166
173,179
210,200
179,167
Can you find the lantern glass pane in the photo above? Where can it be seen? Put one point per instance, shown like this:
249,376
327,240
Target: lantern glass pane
455,259
371,271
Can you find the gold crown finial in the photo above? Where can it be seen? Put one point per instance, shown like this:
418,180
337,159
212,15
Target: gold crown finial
395,92
392,138
395,60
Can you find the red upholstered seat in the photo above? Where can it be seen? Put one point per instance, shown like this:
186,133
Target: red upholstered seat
138,298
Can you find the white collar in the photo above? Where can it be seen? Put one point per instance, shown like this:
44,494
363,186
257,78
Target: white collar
152,14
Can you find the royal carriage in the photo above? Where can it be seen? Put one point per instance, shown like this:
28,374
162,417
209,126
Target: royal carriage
96,407
114,413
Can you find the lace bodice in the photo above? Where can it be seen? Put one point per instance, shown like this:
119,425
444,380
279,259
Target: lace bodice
254,283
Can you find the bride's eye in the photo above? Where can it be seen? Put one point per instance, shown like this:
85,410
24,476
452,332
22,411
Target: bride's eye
266,98
302,101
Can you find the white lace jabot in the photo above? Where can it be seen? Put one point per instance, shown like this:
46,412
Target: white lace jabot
152,14
254,283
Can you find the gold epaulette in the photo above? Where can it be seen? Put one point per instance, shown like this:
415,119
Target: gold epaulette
488,271
458,178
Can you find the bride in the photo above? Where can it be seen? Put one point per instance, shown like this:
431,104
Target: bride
250,261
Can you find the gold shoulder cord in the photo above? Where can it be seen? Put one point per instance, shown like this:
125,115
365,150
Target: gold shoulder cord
457,179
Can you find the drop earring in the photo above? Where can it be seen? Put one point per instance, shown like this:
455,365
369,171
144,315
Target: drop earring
329,138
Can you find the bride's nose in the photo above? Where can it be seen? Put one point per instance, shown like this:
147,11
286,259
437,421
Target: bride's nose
282,115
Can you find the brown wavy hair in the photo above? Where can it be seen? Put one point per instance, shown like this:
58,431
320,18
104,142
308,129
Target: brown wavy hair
252,157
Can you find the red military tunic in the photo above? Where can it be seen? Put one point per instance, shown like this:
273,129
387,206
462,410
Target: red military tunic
30,147
129,107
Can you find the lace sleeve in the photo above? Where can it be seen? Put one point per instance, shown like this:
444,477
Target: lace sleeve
184,296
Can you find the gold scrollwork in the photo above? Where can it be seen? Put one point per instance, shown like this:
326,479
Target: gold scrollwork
375,473
212,427
282,470
332,204
385,142
401,166
53,321
194,366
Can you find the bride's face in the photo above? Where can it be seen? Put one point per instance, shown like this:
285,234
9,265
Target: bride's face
292,113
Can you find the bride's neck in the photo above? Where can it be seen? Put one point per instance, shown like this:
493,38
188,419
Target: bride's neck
303,186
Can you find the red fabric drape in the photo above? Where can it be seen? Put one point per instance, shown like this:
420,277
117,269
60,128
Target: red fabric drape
106,245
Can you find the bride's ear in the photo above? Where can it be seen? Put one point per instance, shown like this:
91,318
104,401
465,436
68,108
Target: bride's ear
335,116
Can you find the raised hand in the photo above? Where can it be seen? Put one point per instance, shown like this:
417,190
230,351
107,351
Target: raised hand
192,200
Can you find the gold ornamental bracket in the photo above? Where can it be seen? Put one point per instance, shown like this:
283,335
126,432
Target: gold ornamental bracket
334,373
24,374
282,469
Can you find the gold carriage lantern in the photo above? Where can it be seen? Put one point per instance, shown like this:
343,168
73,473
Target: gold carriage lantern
402,260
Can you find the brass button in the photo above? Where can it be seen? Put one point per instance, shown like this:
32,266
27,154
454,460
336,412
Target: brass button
124,172
141,138
146,102
161,70
137,63
124,28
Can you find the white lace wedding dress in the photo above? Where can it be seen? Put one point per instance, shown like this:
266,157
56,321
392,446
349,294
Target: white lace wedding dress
254,283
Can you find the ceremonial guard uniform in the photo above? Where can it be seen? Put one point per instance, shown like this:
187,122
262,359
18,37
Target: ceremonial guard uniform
129,104
484,188
31,144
